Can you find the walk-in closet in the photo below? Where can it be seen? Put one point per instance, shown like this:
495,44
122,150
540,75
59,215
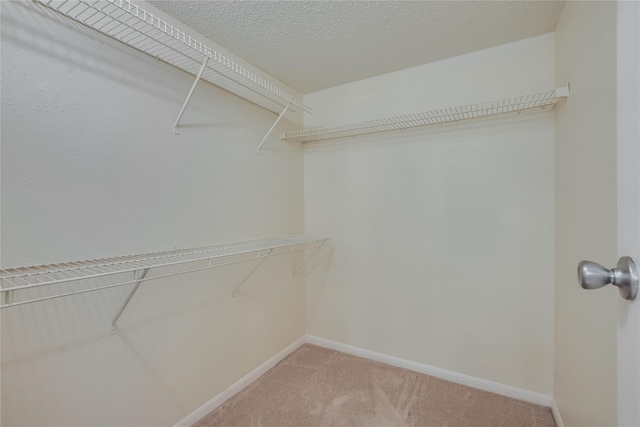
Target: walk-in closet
319,213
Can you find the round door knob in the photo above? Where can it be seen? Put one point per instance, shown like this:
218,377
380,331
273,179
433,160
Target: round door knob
592,275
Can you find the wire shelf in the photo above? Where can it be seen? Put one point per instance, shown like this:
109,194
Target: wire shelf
16,283
434,117
135,27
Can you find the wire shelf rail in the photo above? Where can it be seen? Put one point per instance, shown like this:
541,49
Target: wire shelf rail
16,284
134,26
434,117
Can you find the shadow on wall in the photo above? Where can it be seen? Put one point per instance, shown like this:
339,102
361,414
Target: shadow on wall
66,41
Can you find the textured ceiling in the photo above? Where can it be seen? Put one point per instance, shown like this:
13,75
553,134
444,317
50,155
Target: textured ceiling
313,45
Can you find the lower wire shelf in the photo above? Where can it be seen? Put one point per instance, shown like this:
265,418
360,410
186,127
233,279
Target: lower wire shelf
18,285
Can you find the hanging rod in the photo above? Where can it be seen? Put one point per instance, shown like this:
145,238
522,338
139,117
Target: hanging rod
17,284
434,117
132,25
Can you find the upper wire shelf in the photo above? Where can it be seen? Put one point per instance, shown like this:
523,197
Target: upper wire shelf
17,284
134,26
434,117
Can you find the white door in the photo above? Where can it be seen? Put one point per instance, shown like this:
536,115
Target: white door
628,146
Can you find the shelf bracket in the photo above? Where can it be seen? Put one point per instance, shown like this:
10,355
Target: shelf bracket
235,290
295,271
272,127
7,298
140,278
563,92
186,101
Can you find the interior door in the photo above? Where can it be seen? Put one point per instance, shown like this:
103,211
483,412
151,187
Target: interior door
628,153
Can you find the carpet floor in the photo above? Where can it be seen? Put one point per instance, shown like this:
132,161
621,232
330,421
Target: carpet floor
315,386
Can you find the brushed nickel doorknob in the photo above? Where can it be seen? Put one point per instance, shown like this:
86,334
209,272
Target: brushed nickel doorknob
592,275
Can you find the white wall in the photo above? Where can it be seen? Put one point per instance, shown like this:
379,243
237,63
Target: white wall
443,238
91,168
585,326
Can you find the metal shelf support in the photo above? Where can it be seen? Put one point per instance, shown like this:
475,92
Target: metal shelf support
140,275
272,127
295,271
186,101
235,290
8,298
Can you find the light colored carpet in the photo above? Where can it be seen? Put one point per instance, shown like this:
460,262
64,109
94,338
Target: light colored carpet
315,386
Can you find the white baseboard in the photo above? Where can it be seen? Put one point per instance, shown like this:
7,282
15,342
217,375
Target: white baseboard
490,386
199,413
556,413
